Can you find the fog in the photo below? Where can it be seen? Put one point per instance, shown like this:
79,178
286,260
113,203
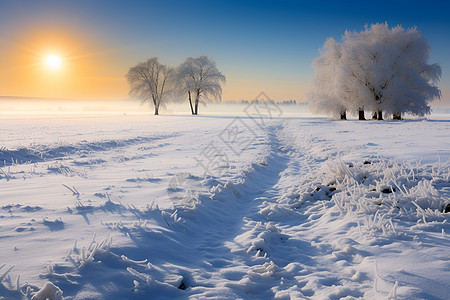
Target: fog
10,106
20,106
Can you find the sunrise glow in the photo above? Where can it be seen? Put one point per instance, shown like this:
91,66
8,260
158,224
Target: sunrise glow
53,62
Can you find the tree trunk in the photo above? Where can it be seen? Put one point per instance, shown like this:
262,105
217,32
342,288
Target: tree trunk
375,115
397,116
361,114
197,99
380,115
190,103
344,115
156,104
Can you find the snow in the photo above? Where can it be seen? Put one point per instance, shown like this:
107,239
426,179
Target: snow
136,206
49,291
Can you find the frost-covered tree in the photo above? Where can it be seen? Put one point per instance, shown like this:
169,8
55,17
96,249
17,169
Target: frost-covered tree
200,79
378,69
324,97
152,82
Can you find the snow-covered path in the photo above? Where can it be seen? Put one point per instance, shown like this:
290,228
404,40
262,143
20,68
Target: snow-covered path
238,240
229,241
309,208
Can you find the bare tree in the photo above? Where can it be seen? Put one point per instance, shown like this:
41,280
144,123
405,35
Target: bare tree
151,81
199,78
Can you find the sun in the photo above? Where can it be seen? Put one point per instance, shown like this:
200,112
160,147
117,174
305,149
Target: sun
53,62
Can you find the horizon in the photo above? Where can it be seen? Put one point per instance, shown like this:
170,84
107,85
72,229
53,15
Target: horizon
259,46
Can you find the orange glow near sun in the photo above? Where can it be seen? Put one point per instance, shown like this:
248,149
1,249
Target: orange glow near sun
60,63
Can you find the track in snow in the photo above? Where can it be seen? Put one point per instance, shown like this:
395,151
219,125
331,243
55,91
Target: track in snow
232,239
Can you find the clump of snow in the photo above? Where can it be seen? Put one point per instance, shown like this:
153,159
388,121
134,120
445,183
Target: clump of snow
80,257
48,292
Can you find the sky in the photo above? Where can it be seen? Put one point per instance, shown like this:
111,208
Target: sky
258,45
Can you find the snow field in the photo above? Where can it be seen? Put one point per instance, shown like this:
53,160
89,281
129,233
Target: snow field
301,208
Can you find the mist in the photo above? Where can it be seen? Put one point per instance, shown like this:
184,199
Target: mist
25,106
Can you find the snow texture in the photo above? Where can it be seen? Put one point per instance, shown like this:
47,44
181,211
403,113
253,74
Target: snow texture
140,207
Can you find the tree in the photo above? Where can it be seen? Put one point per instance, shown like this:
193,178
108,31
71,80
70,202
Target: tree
323,97
151,81
200,79
378,69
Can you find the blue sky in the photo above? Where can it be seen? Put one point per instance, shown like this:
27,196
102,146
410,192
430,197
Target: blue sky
259,45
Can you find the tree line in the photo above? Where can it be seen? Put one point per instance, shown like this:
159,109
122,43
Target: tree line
379,70
197,79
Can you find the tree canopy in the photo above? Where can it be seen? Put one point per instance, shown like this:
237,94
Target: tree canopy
151,81
377,69
200,78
